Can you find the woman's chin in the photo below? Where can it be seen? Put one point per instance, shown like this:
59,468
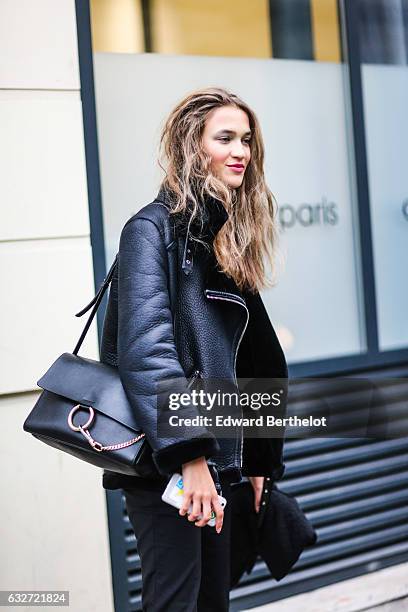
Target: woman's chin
234,183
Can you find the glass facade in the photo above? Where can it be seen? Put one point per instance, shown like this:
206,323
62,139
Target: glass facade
284,58
327,79
383,29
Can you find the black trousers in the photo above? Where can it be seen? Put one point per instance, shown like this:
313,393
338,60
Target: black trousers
184,568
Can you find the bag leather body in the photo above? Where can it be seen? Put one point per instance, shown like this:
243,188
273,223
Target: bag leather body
84,410
215,329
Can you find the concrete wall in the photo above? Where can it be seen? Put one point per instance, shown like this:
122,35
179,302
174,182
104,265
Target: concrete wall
53,521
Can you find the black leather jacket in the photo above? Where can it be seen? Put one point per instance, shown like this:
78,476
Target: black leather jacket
214,329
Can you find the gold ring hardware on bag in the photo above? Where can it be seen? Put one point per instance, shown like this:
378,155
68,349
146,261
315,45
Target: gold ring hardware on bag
84,431
89,421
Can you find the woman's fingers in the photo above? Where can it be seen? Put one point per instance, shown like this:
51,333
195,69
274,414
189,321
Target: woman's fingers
200,493
219,513
187,499
206,511
196,511
258,494
257,485
202,504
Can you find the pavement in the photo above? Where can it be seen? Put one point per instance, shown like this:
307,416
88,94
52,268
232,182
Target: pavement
384,590
398,605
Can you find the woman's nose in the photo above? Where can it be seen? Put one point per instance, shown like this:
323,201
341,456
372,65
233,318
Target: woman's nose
238,150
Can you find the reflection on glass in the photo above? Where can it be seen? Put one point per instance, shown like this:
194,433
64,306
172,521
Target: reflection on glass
117,26
285,29
284,58
384,52
383,36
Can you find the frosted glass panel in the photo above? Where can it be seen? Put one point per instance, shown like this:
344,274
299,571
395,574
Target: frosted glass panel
301,106
384,55
386,103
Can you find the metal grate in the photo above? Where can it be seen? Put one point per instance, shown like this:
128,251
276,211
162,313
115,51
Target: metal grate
354,491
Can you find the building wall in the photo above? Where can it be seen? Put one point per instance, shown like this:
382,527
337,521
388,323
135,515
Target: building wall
53,522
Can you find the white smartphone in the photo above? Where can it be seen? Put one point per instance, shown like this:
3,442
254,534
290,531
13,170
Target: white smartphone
173,495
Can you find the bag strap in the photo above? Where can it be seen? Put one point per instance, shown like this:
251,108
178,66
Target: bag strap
95,303
98,297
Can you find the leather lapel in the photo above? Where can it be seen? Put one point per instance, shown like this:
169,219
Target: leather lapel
216,281
215,217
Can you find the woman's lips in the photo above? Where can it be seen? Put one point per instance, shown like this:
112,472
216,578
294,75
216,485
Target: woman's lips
236,168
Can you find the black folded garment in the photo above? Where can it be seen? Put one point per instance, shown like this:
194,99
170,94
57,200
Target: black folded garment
278,533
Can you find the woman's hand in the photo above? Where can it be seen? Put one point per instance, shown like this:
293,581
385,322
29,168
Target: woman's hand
257,483
199,490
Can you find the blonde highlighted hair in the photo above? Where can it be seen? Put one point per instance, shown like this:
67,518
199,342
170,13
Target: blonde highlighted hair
248,240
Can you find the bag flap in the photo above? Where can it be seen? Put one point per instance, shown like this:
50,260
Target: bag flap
91,383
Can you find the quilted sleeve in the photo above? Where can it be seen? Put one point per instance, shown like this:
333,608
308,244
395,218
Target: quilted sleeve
147,352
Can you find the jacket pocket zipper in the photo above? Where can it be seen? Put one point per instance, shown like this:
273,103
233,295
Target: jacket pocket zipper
196,374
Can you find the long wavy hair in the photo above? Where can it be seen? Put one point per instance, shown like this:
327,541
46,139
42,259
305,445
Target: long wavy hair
248,240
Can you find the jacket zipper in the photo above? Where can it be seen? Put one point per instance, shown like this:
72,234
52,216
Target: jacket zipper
231,297
196,374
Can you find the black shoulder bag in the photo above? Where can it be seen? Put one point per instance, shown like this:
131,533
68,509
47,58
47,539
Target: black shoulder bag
83,410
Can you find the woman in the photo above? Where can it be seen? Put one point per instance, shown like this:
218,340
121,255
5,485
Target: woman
185,304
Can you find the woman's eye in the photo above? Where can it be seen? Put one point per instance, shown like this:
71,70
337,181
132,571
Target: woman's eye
226,139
